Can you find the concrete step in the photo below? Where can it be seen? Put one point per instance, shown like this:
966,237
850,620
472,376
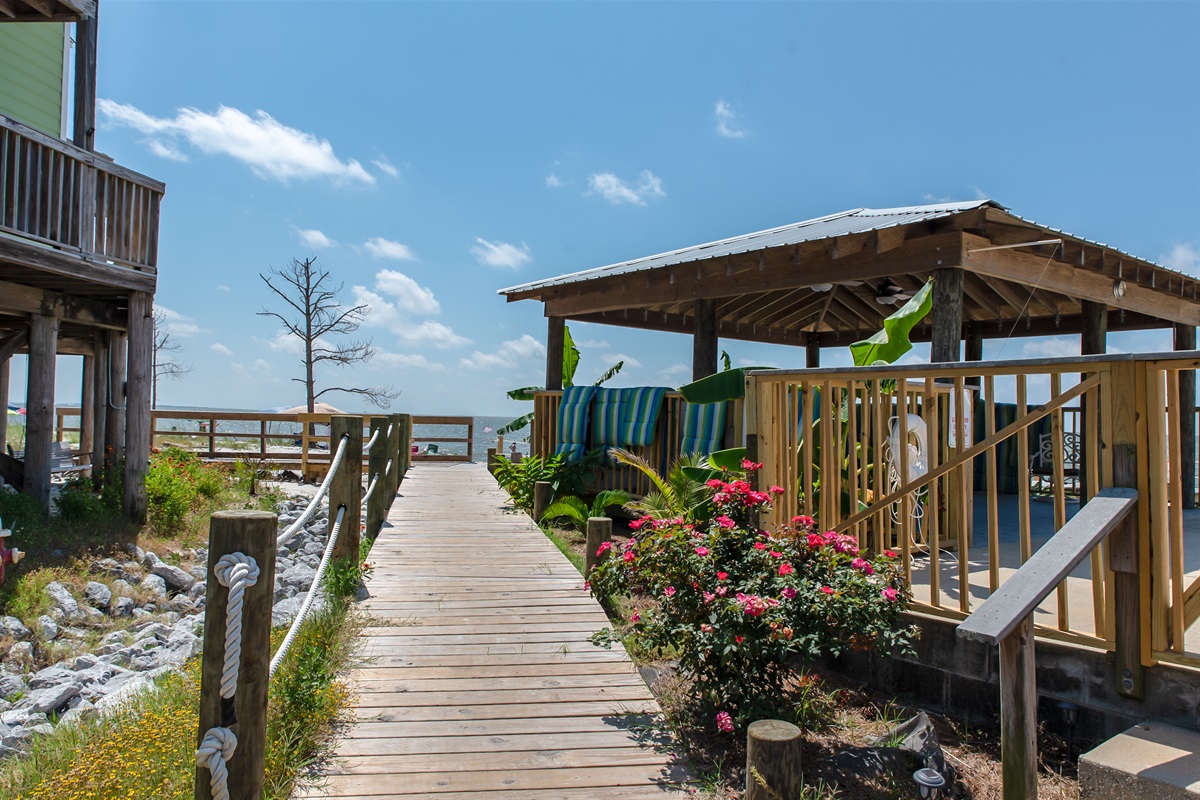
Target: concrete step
1150,761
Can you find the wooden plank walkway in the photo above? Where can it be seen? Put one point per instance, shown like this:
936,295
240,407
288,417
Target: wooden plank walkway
482,682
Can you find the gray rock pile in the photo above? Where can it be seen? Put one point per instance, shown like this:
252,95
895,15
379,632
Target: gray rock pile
135,620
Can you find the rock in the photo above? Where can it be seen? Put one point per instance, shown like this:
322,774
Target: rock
94,615
13,628
141,612
107,566
150,560
285,611
11,684
361,594
137,552
198,590
57,614
174,577
198,571
52,698
300,576
123,607
20,654
62,599
98,594
155,630
22,717
156,586
50,676
75,712
121,587
132,572
47,629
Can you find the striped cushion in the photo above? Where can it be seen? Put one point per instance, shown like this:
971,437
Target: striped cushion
573,415
703,428
625,417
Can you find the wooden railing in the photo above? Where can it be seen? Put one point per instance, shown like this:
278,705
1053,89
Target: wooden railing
834,440
57,194
661,453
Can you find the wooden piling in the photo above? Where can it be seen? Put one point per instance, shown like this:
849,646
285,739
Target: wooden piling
543,495
137,405
39,430
251,533
346,487
377,504
395,456
773,759
1018,713
405,426
599,531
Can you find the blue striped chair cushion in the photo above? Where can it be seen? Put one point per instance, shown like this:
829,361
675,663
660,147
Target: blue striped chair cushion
703,428
626,417
574,413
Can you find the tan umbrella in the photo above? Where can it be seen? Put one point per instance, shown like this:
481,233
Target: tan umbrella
318,408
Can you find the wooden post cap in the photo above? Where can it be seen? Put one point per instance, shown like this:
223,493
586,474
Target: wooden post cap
599,531
243,514
773,750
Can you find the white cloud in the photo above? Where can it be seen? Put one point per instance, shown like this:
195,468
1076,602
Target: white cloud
283,342
177,324
1184,257
313,238
1051,347
726,121
164,150
411,297
217,347
434,333
394,301
678,368
385,166
508,354
593,344
223,288
262,365
411,361
630,361
553,181
270,148
616,191
386,248
500,254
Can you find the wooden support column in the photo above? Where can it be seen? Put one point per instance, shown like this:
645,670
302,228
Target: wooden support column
555,327
812,352
380,501
1131,620
5,365
404,445
39,408
973,349
346,487
704,339
947,315
1185,339
1093,340
137,404
87,409
83,132
99,408
114,426
1018,713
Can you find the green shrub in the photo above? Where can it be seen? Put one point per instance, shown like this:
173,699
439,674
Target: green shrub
518,478
176,480
19,509
78,501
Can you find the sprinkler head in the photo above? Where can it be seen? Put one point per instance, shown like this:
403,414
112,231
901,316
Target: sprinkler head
929,782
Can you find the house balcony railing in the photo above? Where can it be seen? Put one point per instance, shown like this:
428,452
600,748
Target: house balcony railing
76,201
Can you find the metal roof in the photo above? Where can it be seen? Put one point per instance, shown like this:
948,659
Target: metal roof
856,220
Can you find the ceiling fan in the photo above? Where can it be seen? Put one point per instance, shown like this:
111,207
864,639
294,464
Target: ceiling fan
890,293
826,287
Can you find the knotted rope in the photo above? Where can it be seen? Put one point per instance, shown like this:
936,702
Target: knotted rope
216,748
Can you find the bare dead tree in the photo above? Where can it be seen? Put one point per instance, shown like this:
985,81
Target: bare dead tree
165,365
315,316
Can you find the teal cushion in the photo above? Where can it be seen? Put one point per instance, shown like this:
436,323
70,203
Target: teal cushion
703,428
626,417
574,413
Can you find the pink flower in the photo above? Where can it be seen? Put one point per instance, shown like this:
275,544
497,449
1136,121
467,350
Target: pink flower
889,594
814,540
721,590
776,490
750,466
739,639
803,521
724,722
669,591
760,545
708,597
701,551
628,556
603,548
704,626
776,554
714,483
789,592
638,523
889,553
827,589
862,566
786,569
722,576
635,617
724,521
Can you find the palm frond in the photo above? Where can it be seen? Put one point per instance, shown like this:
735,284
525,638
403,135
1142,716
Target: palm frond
609,373
571,508
607,498
516,424
641,465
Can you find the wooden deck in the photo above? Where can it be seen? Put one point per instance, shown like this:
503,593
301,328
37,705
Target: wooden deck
482,682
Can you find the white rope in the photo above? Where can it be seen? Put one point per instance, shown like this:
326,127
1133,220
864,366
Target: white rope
371,488
391,428
216,748
388,471
367,447
236,571
315,502
312,593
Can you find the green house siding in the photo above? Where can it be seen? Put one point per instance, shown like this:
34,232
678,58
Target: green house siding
31,74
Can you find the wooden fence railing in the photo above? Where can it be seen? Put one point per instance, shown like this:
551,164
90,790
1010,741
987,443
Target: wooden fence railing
885,453
57,194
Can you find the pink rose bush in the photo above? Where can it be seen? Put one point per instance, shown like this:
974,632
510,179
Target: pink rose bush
742,607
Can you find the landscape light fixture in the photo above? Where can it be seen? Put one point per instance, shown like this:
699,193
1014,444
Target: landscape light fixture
1070,715
929,782
1118,289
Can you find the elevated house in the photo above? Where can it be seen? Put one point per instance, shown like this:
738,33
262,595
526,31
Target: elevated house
78,253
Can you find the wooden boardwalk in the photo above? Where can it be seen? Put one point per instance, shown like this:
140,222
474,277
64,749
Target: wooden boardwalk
482,683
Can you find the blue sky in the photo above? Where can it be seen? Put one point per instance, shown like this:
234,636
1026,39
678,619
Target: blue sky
430,154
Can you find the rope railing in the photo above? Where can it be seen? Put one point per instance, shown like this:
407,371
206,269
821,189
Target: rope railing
244,544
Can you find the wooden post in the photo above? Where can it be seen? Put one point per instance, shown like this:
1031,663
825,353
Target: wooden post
599,531
555,327
1093,340
812,352
1125,543
1018,713
404,456
114,425
251,533
137,404
394,443
973,349
346,487
773,749
83,132
378,503
704,339
947,314
39,408
5,366
100,409
1185,339
87,409
491,460
543,495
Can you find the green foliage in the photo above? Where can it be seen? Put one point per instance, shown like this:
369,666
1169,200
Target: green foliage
729,384
19,510
892,342
342,579
739,605
518,478
677,494
577,512
79,501
175,483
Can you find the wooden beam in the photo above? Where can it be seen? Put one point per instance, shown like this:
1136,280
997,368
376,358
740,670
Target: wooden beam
1018,714
704,340
677,323
554,353
947,315
79,266
715,277
21,299
7,9
41,6
84,122
137,406
812,352
1081,283
12,345
39,409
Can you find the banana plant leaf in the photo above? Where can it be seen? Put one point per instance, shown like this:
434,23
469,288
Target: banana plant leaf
609,373
524,393
516,424
892,341
570,358
727,385
715,463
